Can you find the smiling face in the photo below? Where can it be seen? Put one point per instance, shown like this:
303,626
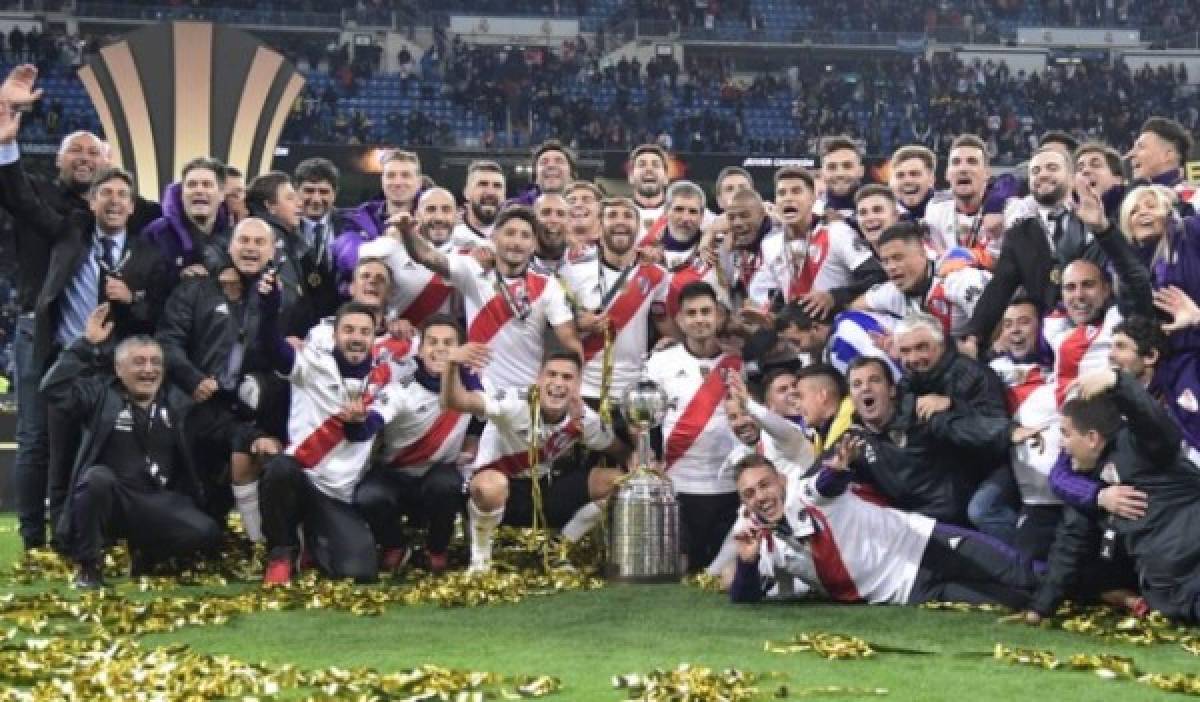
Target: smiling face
551,211
843,171
875,214
745,216
400,180
781,396
911,181
1020,329
436,343
1151,156
1049,175
436,214
762,490
1148,218
112,203
316,199
967,172
551,171
353,336
515,243
920,349
558,382
1085,291
484,193
80,159
583,213
620,229
140,369
251,246
684,215
741,423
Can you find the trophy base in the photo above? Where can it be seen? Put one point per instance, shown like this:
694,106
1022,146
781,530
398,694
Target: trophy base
614,576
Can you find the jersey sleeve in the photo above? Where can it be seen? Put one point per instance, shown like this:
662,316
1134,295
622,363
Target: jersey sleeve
596,435
848,248
558,312
464,271
505,407
965,286
885,298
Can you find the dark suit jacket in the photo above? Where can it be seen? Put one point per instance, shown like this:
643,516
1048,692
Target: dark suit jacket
1026,260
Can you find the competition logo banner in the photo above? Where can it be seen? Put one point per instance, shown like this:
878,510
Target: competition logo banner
171,92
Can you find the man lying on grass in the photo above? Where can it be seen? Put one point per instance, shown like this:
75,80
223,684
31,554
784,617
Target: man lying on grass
816,534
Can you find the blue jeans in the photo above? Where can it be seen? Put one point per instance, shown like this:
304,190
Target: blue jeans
30,467
994,507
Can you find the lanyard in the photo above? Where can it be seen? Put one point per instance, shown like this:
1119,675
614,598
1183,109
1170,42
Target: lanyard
606,296
518,304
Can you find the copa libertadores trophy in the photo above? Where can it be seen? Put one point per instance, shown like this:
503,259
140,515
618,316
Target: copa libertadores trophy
643,535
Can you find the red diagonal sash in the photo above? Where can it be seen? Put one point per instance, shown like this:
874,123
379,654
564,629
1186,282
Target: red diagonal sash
827,560
428,302
1070,356
514,465
697,413
424,448
679,279
653,235
496,313
625,307
331,432
801,281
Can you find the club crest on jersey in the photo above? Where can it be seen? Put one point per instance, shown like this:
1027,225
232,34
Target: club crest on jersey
644,285
1109,474
1187,400
898,437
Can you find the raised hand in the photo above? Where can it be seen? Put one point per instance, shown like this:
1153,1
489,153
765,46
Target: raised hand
1095,383
1089,208
473,354
17,90
99,325
1182,308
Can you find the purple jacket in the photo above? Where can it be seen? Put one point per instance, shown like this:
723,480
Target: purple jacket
172,233
359,225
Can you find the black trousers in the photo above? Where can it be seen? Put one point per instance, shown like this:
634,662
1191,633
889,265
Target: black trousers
562,496
432,500
157,523
960,565
1036,526
705,520
336,534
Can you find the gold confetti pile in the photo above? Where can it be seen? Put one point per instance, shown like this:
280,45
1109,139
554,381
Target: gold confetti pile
704,581
688,683
84,670
1105,665
828,646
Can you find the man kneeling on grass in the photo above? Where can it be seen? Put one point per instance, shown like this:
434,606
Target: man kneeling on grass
814,533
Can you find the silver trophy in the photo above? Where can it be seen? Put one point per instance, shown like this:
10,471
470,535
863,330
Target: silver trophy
643,536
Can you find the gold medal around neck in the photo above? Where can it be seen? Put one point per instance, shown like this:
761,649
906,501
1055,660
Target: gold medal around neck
314,279
1056,276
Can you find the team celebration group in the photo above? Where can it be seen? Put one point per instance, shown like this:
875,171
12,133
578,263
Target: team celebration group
878,392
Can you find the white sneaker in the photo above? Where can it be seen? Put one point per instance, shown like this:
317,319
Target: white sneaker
479,564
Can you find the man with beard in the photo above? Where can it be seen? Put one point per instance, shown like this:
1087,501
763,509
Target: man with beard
483,192
730,180
133,477
912,179
507,307
553,166
875,210
80,156
914,284
689,255
417,292
209,335
842,169
320,225
272,199
973,219
823,265
193,232
370,286
418,472
551,255
1036,249
340,401
401,182
1158,156
1100,165
648,167
913,456
818,534
695,437
584,227
501,484
235,194
618,297
769,423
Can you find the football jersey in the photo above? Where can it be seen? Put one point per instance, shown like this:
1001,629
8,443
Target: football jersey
781,441
950,228
1030,398
695,431
519,334
334,463
504,445
950,298
387,347
685,266
629,309
822,261
420,433
417,292
844,547
1078,350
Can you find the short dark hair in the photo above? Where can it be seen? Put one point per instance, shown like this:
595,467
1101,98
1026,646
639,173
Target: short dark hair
444,320
874,190
793,314
697,288
317,170
1144,332
795,173
553,145
1111,157
481,165
206,163
564,355
908,232
263,190
1099,414
1025,299
104,175
970,141
911,151
824,371
520,212
374,261
769,376
1057,136
1172,132
733,170
655,149
349,308
228,171
839,143
864,361
752,460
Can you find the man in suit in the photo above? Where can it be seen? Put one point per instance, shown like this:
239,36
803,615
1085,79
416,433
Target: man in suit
133,476
1035,250
320,225
80,156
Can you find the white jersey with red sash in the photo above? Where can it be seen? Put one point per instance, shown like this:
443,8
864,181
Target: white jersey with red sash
387,347
950,298
696,436
1031,402
684,266
512,320
844,547
1078,349
333,462
504,445
782,441
653,223
949,228
628,309
421,434
821,261
417,292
